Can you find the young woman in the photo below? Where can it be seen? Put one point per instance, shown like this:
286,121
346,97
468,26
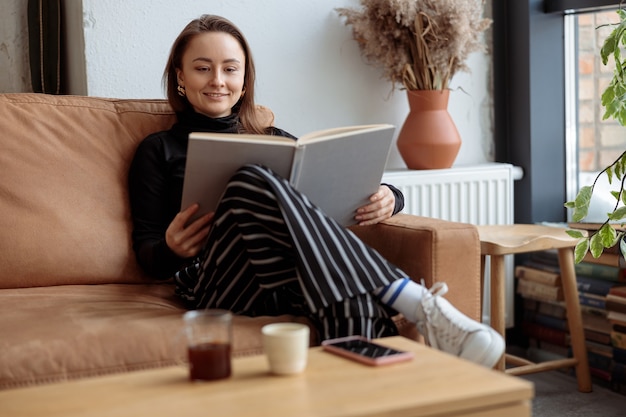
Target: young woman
267,250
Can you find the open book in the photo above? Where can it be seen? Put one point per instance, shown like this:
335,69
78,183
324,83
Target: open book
337,169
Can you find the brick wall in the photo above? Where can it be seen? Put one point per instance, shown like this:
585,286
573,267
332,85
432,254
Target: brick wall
600,142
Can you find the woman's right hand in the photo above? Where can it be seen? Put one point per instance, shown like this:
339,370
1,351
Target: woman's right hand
186,241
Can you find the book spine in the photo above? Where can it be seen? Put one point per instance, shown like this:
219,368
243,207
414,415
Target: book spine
539,291
613,305
298,157
601,349
618,290
605,272
596,323
597,337
538,264
599,361
547,334
537,275
564,351
593,311
550,309
615,317
619,327
618,373
619,355
593,286
546,257
605,258
545,320
591,301
618,339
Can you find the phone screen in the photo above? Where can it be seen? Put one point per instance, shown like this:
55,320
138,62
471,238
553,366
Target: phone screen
365,348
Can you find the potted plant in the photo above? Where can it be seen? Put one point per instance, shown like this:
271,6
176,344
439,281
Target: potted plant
420,45
614,103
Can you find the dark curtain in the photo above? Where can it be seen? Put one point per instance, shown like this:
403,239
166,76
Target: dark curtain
44,41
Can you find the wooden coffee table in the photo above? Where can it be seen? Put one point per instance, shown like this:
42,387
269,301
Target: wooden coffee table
432,384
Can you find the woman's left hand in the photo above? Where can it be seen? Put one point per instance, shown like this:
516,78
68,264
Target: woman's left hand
380,208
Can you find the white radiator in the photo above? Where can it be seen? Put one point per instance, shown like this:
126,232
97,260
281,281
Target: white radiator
480,195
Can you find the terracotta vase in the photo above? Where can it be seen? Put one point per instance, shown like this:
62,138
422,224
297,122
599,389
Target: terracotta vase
429,138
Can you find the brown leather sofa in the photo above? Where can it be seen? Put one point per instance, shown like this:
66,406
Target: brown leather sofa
73,302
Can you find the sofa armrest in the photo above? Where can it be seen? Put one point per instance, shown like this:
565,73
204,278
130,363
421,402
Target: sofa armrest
434,250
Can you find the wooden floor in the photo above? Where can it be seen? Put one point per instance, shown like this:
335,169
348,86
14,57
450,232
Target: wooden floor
556,395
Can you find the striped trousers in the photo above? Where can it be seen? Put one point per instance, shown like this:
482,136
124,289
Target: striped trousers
270,251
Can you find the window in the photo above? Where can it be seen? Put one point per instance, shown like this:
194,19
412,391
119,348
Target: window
531,81
592,143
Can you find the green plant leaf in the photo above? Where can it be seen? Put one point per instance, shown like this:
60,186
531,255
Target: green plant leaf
596,247
614,96
581,203
575,233
607,235
618,214
608,47
608,95
581,250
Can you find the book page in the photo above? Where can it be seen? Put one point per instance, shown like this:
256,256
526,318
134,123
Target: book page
335,132
244,138
340,175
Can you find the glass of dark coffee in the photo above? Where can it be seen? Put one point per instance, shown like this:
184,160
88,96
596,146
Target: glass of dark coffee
209,338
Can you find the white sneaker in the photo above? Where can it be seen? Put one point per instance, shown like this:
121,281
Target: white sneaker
447,329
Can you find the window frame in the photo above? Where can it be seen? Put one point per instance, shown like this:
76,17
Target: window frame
529,100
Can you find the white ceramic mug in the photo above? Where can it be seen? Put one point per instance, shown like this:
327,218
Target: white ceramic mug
286,346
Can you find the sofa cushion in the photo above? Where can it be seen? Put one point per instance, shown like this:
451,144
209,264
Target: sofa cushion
63,187
52,334
64,170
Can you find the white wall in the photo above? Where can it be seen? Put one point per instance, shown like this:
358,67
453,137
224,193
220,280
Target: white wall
309,69
14,65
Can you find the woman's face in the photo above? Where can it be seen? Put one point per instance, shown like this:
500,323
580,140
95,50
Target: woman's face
212,73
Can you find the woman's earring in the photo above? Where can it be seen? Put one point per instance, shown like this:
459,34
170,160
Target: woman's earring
181,91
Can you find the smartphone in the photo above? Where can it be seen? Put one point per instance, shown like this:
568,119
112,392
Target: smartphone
363,350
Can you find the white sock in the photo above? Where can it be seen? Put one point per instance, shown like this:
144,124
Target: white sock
403,295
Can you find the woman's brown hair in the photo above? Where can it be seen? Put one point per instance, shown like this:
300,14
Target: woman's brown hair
210,23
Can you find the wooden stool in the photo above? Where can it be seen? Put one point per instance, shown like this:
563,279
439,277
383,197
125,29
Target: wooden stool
496,241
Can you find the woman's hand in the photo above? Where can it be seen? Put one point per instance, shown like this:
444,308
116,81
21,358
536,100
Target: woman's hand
186,241
380,208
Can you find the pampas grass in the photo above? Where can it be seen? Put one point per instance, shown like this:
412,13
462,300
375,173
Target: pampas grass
419,44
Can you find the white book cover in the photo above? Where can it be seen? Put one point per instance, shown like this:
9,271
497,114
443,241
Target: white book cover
337,169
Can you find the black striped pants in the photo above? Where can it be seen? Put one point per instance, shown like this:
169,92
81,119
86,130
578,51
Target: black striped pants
270,251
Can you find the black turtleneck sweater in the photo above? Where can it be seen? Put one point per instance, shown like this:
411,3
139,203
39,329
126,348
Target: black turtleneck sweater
156,184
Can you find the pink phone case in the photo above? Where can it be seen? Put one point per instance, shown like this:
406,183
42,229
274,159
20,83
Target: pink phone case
389,355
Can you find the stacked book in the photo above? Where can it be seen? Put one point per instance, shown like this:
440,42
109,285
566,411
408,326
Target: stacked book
544,320
616,313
